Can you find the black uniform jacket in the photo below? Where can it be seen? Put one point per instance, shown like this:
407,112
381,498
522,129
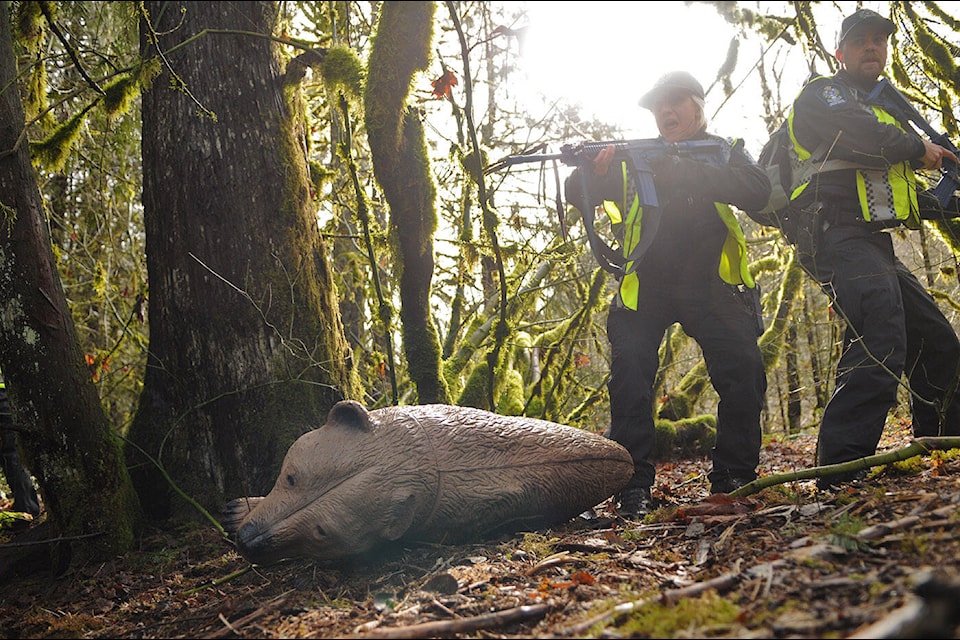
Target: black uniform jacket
833,110
686,251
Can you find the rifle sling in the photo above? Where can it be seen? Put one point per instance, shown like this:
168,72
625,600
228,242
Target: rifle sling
606,256
650,222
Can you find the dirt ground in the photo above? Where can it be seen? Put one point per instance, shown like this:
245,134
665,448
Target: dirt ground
876,558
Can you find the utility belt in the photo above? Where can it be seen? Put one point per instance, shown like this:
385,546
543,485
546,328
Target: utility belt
820,216
840,213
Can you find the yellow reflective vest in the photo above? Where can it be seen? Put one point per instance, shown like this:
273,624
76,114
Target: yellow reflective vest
884,194
733,264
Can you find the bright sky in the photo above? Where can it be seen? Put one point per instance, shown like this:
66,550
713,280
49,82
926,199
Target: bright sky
605,55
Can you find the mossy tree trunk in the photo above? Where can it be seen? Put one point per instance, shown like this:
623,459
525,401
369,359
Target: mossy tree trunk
247,349
400,48
70,447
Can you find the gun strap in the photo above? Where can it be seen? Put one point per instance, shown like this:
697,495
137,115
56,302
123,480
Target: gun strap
650,224
608,258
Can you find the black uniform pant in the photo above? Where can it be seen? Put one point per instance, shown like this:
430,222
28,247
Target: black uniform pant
724,326
25,498
894,328
24,494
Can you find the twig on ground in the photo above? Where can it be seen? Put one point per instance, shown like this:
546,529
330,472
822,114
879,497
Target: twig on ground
445,628
233,627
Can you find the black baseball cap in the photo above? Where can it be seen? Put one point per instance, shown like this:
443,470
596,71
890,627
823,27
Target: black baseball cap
675,81
862,18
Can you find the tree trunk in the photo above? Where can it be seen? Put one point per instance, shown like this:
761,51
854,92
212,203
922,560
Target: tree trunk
401,48
70,448
247,349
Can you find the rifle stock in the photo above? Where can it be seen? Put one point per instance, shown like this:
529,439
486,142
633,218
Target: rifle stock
887,96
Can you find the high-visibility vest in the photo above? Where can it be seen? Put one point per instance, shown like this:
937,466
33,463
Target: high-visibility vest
884,194
733,265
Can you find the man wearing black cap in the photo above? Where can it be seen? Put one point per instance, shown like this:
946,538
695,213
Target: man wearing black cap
893,326
695,273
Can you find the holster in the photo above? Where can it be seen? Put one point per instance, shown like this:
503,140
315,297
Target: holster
751,298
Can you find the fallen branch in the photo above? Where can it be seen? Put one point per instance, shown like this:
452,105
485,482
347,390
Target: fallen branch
445,628
883,528
669,596
33,543
919,446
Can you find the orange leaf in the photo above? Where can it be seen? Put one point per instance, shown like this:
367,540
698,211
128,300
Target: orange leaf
443,84
582,577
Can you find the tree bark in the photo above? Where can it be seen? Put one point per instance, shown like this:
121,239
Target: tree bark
69,445
247,349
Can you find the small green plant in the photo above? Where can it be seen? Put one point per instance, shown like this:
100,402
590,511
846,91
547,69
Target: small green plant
844,530
634,535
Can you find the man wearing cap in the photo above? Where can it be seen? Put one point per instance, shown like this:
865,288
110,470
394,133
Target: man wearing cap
893,326
695,273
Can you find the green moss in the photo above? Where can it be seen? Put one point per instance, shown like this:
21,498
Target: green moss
342,69
941,456
537,545
666,439
473,165
689,437
120,94
535,406
915,544
28,25
511,400
910,466
678,405
683,618
52,152
474,392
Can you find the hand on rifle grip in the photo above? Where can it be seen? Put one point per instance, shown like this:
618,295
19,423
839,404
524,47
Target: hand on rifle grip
934,155
602,161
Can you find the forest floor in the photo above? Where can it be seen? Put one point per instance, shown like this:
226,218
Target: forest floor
875,558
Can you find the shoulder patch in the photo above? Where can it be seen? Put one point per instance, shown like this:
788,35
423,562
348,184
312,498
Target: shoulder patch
832,95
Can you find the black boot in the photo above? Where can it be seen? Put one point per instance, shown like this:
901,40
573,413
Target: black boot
635,502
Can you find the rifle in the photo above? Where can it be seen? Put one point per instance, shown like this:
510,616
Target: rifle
637,154
887,96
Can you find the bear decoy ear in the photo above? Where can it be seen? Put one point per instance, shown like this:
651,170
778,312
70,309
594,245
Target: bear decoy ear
351,414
